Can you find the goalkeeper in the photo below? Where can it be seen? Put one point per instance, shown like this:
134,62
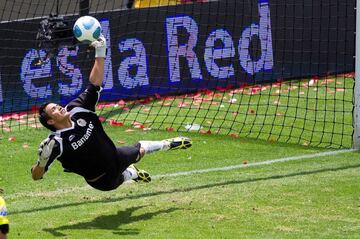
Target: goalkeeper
80,143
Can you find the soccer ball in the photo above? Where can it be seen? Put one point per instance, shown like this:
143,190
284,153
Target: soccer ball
87,29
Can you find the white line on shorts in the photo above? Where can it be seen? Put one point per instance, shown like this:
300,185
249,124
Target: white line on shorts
185,173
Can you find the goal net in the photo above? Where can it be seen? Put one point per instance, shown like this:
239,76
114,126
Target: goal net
245,68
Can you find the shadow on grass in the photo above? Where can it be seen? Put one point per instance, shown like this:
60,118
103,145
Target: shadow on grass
240,181
111,222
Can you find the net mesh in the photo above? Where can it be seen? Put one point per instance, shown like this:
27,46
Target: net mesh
258,69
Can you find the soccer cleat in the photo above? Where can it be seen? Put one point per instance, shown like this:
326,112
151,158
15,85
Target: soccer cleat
179,143
143,176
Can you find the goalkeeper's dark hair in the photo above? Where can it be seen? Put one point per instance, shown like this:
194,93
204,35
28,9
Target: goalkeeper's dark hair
44,117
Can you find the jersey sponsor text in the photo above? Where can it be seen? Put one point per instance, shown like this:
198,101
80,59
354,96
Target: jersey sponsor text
84,138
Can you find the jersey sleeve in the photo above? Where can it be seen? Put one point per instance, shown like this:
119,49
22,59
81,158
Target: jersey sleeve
56,152
87,99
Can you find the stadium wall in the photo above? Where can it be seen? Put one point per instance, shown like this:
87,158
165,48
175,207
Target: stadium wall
183,48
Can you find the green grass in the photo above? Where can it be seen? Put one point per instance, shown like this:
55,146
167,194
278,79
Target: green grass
311,198
315,198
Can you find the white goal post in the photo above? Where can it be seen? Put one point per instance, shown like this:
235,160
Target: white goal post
356,112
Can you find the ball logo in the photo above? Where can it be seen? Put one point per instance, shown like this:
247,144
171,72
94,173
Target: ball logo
81,122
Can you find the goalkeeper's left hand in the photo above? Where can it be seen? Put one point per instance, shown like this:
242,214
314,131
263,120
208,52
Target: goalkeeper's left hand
100,46
45,150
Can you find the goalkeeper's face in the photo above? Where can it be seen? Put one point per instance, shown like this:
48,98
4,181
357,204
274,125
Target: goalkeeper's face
57,114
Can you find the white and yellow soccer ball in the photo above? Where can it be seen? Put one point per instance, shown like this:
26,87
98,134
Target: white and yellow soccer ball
87,29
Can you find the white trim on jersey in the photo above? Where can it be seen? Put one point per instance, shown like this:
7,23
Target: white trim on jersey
59,140
72,112
98,95
59,131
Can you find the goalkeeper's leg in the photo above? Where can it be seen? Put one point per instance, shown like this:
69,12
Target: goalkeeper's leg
138,175
132,154
167,144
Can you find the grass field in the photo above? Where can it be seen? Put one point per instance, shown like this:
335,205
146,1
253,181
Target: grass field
316,197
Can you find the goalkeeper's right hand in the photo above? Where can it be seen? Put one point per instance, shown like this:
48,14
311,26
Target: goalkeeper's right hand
100,46
45,150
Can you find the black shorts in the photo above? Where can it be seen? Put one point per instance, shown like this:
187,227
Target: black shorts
4,228
113,177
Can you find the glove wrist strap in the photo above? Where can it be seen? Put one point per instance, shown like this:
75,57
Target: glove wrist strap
100,52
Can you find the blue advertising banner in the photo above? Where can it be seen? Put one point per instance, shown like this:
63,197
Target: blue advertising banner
184,48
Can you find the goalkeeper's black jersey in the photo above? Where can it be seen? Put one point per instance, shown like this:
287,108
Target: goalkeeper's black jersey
84,148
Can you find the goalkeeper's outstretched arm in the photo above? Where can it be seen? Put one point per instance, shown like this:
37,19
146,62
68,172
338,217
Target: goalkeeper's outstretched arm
97,72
